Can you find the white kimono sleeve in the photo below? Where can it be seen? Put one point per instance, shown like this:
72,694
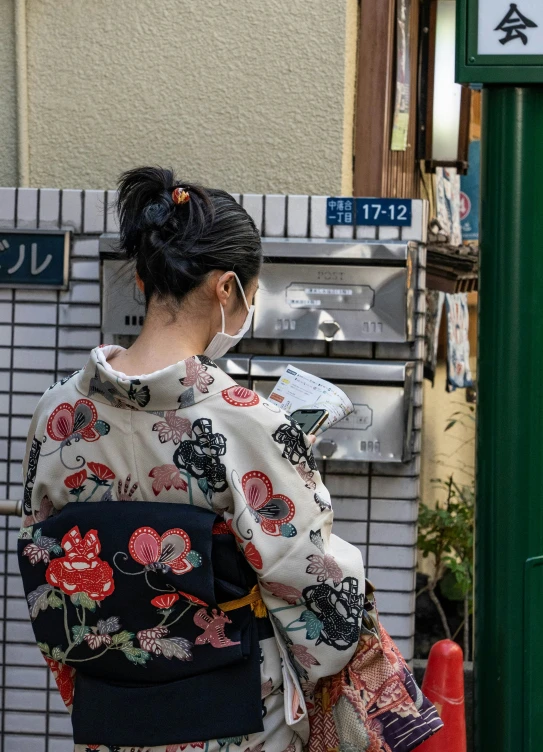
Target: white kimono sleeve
311,581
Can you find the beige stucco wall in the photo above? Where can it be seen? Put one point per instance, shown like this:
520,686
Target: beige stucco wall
8,131
252,95
446,453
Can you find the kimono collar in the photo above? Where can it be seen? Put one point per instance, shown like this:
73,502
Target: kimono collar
180,385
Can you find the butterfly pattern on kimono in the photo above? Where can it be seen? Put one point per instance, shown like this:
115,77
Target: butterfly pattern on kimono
69,423
155,552
273,512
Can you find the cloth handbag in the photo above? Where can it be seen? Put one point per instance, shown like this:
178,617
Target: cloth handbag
374,704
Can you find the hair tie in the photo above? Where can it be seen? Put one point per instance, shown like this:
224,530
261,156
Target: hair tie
180,196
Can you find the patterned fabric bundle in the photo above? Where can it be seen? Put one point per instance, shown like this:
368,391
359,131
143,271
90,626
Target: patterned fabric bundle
374,704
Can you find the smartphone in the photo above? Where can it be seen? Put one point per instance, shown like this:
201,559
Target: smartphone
310,420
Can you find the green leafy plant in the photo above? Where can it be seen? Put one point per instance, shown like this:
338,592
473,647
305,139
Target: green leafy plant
446,532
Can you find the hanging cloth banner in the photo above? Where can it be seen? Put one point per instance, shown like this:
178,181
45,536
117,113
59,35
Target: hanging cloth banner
448,203
400,125
469,194
458,368
434,309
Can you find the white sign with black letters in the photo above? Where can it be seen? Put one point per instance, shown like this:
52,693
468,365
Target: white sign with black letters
507,28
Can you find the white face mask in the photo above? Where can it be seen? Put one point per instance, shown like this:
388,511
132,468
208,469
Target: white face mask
222,342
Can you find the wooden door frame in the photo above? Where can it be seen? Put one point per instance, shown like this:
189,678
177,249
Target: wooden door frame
373,95
379,171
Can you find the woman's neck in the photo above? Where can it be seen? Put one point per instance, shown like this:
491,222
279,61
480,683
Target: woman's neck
163,341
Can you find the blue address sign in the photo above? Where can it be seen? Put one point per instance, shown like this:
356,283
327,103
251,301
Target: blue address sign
34,259
379,212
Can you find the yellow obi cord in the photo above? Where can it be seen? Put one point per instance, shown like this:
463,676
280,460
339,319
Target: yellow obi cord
253,599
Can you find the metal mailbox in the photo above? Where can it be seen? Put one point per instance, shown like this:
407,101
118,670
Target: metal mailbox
379,430
313,290
236,366
123,305
359,292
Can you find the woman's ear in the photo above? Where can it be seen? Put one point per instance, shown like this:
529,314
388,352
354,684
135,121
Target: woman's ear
139,283
225,287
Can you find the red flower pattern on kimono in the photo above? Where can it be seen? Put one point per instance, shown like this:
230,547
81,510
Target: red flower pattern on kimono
165,601
81,570
64,677
75,481
101,472
272,511
192,598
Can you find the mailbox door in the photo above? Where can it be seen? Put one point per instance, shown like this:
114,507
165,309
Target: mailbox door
237,367
123,305
314,301
377,430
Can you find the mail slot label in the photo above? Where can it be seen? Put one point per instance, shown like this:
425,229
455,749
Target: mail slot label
329,291
353,298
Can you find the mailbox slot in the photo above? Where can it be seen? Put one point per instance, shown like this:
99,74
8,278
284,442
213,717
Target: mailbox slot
358,292
379,430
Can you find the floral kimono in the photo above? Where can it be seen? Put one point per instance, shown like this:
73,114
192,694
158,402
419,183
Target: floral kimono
127,480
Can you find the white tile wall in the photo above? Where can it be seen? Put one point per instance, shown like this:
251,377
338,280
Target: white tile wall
71,215
85,247
7,207
317,225
35,336
298,216
38,313
253,203
49,214
94,208
112,219
81,292
275,215
27,208
375,505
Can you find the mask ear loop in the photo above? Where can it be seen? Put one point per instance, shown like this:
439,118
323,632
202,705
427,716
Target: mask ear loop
247,306
222,317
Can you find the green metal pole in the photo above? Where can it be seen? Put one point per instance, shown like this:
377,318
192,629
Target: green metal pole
509,525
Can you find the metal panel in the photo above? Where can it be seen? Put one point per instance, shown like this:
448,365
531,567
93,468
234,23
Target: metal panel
336,249
358,304
123,305
337,370
234,365
379,430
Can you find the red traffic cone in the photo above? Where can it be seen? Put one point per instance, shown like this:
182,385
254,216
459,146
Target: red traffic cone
443,685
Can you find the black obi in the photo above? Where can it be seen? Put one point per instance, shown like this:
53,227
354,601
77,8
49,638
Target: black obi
127,594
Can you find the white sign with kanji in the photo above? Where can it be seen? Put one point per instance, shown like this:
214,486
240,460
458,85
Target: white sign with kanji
507,28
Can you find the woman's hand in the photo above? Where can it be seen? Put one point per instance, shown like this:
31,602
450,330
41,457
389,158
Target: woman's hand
312,438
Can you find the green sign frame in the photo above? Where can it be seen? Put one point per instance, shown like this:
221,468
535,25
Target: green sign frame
473,68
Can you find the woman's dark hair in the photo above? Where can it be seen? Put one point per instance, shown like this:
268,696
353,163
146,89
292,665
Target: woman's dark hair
175,245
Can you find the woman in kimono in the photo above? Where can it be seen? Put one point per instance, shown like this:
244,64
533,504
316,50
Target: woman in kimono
177,554
161,423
